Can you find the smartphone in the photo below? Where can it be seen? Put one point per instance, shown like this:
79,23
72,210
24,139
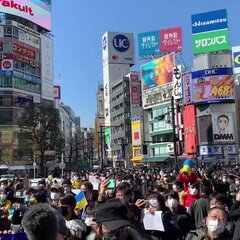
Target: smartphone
111,184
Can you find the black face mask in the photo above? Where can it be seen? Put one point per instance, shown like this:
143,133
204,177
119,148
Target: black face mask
64,210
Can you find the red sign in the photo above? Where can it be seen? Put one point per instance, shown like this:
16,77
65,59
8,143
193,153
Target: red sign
171,40
187,89
190,133
135,89
57,92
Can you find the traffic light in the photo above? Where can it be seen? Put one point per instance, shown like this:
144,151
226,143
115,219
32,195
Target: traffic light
145,150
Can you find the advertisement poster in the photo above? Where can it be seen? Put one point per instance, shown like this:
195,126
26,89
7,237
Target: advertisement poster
210,41
135,90
158,72
37,11
189,129
187,97
171,40
213,88
223,127
148,43
136,140
236,59
209,21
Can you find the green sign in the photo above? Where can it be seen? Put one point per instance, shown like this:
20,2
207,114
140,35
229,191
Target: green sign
107,133
210,41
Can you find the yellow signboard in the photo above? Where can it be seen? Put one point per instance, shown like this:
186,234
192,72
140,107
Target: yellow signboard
136,141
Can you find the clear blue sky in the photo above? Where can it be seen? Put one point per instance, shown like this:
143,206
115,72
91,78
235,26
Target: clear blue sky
78,26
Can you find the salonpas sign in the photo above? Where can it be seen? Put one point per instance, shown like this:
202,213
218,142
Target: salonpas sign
210,41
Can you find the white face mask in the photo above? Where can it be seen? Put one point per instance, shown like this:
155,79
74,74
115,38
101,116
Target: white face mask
154,203
174,187
224,180
215,227
172,203
193,191
54,196
89,221
237,182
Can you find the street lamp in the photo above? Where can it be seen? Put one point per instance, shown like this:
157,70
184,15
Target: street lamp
162,117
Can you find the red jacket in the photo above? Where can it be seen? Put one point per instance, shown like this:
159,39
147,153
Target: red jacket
189,199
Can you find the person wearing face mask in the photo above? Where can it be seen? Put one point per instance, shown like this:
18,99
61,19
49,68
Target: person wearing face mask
156,202
215,227
67,187
55,193
235,209
180,218
4,186
193,194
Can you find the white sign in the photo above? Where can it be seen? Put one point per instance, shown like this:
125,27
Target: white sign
223,127
47,68
153,221
236,59
118,47
216,150
28,39
177,82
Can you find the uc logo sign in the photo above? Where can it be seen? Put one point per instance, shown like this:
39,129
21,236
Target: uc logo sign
237,59
121,43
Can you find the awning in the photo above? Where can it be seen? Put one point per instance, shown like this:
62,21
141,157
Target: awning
155,159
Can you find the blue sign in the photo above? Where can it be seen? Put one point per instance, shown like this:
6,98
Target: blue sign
148,43
104,43
121,43
26,76
6,73
209,21
236,59
212,72
216,150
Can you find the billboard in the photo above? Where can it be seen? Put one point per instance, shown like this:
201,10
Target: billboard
57,92
210,41
135,89
118,47
158,72
136,140
177,82
20,49
36,11
106,95
171,40
216,84
156,96
223,127
236,59
216,150
47,68
209,21
148,43
190,132
100,104
187,93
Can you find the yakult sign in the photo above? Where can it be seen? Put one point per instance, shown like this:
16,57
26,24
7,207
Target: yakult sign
118,48
38,12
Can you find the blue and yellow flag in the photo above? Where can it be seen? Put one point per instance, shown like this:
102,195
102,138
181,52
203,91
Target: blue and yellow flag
81,200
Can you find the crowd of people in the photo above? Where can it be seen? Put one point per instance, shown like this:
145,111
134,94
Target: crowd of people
156,204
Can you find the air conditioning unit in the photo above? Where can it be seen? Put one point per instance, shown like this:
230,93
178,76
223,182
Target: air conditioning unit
170,148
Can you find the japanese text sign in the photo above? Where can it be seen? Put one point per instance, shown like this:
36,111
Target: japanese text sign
177,82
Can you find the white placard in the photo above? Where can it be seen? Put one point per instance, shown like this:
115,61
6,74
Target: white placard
153,221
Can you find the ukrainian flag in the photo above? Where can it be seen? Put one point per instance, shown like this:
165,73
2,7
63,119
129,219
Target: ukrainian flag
81,200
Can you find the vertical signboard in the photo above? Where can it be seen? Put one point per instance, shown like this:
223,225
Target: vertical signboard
106,94
148,43
187,94
210,31
177,82
171,40
136,140
100,104
135,89
57,91
189,124
47,67
223,127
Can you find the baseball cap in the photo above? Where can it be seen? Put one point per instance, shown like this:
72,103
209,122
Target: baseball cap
112,214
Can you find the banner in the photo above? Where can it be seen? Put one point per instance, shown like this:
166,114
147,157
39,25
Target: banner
148,43
223,127
171,40
135,89
190,132
210,41
136,141
187,94
158,72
